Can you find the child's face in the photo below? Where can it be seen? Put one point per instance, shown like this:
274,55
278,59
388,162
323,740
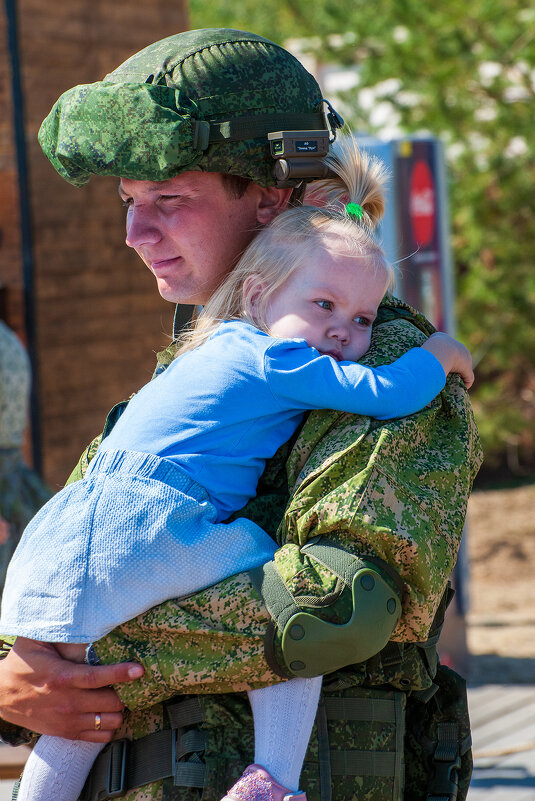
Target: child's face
331,302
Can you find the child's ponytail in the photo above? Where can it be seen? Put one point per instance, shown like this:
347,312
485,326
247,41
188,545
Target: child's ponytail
358,179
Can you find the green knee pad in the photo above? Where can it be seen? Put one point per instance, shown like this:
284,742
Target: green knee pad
301,643
312,646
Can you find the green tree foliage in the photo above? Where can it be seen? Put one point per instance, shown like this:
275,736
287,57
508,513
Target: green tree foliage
465,73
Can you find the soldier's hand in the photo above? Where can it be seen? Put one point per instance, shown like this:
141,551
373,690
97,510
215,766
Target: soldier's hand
41,691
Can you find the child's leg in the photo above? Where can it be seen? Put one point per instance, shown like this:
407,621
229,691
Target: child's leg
73,651
56,769
283,718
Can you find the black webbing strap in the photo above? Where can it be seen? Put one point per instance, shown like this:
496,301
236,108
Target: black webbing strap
444,784
424,696
278,599
379,710
253,127
391,655
124,764
169,753
184,713
190,774
324,754
428,648
335,557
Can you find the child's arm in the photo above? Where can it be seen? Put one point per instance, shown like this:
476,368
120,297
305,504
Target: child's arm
296,375
452,355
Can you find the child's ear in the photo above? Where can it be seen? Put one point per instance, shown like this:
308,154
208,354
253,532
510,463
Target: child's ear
253,286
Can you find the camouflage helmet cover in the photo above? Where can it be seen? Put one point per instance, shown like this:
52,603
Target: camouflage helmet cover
199,100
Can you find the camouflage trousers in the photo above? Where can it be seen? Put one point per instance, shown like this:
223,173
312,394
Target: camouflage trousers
210,642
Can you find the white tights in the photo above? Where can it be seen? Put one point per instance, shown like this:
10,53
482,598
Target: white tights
56,769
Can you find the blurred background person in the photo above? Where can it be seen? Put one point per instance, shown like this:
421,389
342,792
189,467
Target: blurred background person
22,492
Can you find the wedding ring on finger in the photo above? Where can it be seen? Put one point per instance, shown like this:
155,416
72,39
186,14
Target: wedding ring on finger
98,722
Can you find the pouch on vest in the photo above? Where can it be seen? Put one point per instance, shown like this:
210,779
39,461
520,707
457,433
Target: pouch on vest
438,755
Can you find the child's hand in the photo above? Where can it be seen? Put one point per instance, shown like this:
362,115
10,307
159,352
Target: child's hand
452,355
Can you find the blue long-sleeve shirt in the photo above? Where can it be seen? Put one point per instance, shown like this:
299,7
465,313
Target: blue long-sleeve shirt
222,410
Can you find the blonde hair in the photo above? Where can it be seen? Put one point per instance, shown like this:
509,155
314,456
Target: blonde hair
295,235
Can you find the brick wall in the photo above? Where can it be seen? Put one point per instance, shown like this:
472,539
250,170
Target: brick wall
99,319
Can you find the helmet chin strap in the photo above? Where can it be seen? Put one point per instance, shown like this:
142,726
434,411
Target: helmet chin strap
183,316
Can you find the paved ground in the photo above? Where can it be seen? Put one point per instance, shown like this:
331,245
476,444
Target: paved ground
501,607
501,640
503,724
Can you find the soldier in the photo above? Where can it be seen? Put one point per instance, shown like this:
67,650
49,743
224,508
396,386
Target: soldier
364,531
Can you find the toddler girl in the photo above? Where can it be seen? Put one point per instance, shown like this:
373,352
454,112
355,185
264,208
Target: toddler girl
280,336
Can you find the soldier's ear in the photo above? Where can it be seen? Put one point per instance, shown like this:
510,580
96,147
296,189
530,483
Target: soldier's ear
271,201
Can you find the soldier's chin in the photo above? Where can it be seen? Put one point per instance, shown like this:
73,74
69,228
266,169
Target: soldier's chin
179,293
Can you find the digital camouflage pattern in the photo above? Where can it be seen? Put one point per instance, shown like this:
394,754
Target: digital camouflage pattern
139,122
397,490
213,642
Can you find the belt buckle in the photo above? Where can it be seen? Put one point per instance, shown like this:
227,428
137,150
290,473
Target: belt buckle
118,750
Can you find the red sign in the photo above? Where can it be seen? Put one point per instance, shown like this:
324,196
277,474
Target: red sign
422,203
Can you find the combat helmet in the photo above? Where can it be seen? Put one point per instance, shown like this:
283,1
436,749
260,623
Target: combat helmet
218,100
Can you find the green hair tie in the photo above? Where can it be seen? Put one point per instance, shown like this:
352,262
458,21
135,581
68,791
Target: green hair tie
355,211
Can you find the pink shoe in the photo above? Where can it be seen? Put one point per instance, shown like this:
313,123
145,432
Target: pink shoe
256,784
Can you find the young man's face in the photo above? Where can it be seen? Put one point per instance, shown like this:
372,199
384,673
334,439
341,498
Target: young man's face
331,302
190,232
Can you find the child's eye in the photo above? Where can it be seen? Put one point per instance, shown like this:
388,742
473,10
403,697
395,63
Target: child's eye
325,304
362,321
